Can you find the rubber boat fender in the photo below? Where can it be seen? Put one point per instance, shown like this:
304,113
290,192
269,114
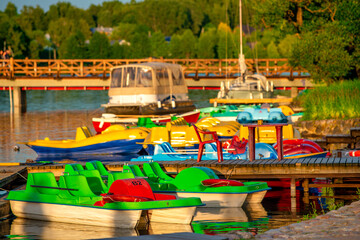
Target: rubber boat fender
220,183
354,153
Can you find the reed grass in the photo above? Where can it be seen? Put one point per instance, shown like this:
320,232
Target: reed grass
337,101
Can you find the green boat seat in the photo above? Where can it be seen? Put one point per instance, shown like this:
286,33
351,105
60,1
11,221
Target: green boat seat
159,172
92,165
192,177
94,181
113,176
43,183
146,122
135,169
73,168
149,172
78,186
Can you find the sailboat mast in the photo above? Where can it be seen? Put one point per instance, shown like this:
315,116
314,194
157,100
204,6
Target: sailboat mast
240,25
242,65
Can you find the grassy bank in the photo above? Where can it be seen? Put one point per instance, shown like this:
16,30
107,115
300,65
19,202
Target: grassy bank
337,101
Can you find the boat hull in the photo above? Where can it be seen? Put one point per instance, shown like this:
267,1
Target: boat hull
215,199
255,197
102,123
172,215
76,214
150,109
122,146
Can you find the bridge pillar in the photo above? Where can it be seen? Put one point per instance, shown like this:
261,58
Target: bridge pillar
19,97
294,92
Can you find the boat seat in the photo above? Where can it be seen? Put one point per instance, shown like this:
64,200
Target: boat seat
159,172
146,122
132,187
79,184
149,172
97,165
42,180
94,181
157,135
82,133
73,168
119,175
135,169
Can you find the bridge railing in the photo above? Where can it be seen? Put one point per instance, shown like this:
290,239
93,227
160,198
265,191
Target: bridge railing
193,68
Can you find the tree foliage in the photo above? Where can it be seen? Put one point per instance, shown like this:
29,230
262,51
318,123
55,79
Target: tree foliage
321,36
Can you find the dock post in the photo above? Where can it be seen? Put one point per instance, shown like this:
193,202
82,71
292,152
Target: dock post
293,194
305,185
19,97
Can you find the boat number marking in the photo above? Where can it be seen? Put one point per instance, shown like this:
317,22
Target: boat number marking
136,183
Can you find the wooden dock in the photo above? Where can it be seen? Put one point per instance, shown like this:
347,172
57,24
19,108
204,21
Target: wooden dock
302,169
217,101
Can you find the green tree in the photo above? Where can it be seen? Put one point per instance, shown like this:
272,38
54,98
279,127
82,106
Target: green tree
159,47
324,54
74,47
18,41
35,49
286,45
175,47
207,45
140,45
226,43
11,10
123,31
272,50
189,43
99,46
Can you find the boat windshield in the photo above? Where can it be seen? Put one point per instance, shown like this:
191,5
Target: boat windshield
177,76
144,77
129,77
162,77
116,76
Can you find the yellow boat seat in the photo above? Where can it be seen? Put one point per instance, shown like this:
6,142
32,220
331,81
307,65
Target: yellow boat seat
82,133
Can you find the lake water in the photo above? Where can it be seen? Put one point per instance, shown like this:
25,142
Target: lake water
56,114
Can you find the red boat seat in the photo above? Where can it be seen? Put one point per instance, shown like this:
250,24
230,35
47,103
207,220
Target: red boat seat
132,187
220,183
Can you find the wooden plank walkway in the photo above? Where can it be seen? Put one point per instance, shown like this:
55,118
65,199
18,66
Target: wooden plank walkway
173,236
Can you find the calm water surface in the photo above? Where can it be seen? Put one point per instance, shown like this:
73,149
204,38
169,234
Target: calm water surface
57,114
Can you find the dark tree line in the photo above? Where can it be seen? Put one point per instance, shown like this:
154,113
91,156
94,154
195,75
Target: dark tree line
320,35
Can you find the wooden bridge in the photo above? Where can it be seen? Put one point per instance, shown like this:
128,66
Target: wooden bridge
87,73
20,75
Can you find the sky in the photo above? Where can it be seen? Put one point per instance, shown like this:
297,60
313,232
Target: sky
45,4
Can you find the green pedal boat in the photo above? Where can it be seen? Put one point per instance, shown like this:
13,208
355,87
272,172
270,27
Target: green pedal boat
201,182
85,199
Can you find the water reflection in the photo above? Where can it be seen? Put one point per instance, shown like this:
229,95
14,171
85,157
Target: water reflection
34,229
206,221
250,218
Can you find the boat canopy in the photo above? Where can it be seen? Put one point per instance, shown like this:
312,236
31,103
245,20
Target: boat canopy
151,74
